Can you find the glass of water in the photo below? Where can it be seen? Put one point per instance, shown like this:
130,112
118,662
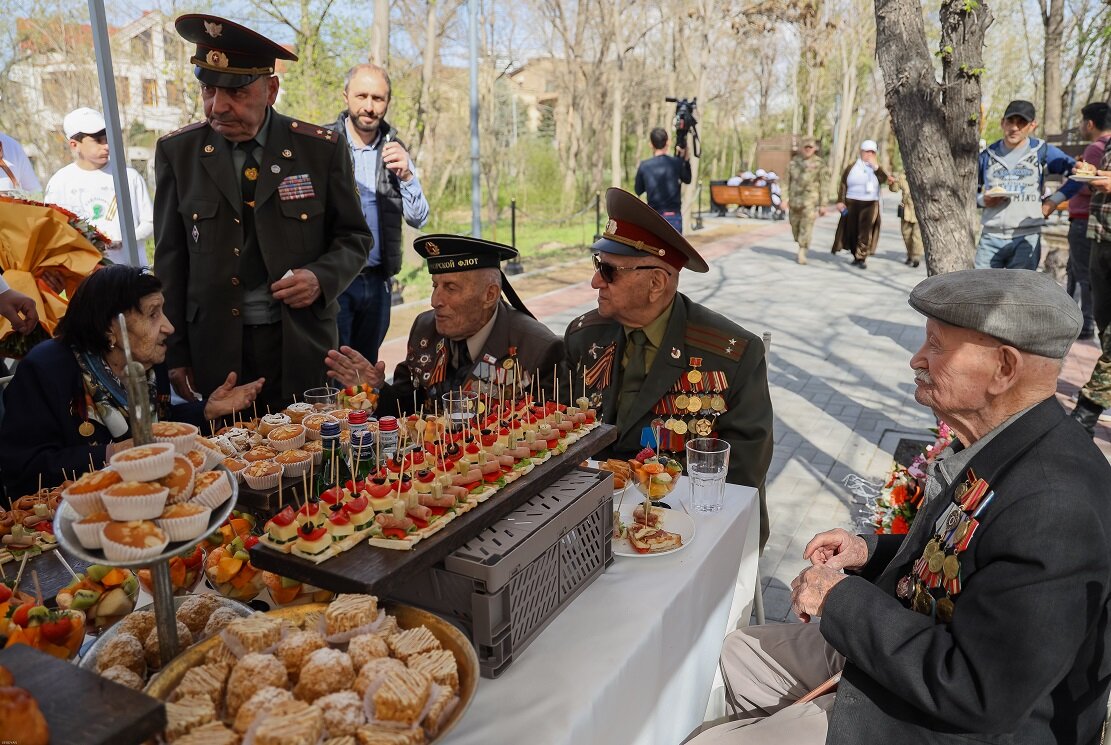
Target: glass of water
461,408
707,462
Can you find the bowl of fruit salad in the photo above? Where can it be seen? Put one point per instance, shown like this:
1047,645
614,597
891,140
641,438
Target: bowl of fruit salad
55,631
655,475
230,571
185,571
103,594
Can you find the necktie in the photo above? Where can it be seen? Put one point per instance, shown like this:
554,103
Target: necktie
632,378
461,361
252,270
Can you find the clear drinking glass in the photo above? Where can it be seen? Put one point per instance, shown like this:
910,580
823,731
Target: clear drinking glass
461,408
322,399
707,463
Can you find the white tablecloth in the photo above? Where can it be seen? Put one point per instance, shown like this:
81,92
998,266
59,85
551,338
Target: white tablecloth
633,658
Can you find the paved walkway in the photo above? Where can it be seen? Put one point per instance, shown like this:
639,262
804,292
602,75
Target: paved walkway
841,384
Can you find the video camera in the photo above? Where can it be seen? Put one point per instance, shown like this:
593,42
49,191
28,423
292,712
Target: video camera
685,123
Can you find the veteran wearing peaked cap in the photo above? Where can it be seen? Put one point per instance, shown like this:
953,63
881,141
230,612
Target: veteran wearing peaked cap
471,339
661,367
257,223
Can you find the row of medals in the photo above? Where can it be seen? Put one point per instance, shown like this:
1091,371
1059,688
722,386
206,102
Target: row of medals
694,403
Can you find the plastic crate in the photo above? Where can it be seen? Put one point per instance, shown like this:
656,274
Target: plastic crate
508,582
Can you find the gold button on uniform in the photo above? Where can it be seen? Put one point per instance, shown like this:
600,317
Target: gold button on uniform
235,281
235,312
234,218
304,216
195,215
235,251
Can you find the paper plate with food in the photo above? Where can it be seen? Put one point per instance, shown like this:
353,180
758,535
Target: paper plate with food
997,191
641,531
1085,172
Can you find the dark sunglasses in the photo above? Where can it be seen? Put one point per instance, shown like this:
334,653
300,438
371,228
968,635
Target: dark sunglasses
609,271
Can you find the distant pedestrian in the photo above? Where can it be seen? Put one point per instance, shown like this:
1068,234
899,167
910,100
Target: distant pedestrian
804,192
858,201
16,172
1011,179
1095,126
661,177
87,187
908,221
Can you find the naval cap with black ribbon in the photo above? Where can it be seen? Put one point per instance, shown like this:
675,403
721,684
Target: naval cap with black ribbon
445,253
229,55
635,229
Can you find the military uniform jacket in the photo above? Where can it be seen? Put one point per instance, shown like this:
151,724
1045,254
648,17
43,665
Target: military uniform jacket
307,215
427,372
907,203
807,178
732,366
1025,658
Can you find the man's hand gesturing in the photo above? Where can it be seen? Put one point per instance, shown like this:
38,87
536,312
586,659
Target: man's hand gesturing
837,549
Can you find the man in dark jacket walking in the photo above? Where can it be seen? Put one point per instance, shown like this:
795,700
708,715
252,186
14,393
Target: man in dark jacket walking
388,190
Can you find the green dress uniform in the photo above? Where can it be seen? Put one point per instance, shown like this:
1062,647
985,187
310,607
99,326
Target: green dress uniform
805,197
908,221
705,376
217,252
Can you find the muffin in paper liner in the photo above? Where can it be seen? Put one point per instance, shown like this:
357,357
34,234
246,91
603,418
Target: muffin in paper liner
212,453
316,450
235,467
137,506
88,534
158,461
182,442
215,493
84,504
121,552
312,424
185,528
297,411
287,443
294,469
269,422
265,481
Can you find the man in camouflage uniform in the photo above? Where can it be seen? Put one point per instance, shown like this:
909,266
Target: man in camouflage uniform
658,365
1096,395
808,173
912,235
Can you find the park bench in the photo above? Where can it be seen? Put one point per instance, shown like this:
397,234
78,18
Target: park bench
723,196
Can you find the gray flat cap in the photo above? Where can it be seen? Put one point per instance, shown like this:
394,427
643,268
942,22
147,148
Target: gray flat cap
1019,307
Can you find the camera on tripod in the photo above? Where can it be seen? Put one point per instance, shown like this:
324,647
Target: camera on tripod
685,123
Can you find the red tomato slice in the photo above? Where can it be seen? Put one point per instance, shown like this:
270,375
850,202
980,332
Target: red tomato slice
395,533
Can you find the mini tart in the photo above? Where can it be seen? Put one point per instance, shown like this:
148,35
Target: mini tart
236,466
287,437
263,475
144,463
84,494
298,411
135,500
259,453
184,522
294,462
179,481
270,422
132,540
313,422
211,489
88,528
179,434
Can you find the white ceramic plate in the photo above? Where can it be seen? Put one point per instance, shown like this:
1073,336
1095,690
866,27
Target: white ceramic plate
1084,178
674,521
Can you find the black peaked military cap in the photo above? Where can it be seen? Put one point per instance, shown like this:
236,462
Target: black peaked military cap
635,229
447,253
229,55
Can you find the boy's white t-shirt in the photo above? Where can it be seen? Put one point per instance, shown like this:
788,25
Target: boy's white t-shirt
92,195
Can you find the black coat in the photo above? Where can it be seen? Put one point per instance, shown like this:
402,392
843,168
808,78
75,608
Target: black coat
1025,658
39,432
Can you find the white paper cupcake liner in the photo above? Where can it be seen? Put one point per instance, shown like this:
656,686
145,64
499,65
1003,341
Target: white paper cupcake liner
184,528
216,494
119,552
88,534
145,507
264,482
317,456
294,470
184,494
212,456
147,469
298,411
237,475
265,426
291,444
182,443
84,504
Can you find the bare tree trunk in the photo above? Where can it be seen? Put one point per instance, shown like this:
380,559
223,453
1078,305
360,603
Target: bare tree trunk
380,33
616,129
843,148
936,124
1053,18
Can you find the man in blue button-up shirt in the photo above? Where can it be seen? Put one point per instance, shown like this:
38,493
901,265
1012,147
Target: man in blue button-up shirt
389,190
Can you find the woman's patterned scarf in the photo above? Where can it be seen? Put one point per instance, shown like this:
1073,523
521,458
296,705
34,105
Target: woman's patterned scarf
105,395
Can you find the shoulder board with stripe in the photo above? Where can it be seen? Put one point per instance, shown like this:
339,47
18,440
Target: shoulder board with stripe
313,130
586,320
183,130
716,341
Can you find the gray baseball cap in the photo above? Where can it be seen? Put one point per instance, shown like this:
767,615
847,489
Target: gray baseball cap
1027,310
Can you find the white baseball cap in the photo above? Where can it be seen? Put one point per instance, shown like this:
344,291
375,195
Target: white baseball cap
83,121
869,145
772,176
761,173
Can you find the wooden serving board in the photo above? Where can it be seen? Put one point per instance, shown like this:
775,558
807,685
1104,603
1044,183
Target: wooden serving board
376,570
82,708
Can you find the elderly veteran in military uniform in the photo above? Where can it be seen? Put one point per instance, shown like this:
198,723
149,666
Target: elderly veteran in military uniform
472,339
808,174
257,225
908,221
660,366
988,621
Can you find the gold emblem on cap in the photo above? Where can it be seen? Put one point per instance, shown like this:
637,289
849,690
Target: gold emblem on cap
432,248
611,226
287,153
213,29
216,58
209,148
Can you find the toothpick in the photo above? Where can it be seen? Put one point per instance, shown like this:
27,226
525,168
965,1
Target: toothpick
304,484
59,557
254,409
280,480
19,574
38,587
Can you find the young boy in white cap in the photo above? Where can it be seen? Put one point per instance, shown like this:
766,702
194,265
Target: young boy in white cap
86,188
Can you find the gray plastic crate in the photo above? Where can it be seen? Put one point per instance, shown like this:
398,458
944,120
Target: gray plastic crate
508,582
